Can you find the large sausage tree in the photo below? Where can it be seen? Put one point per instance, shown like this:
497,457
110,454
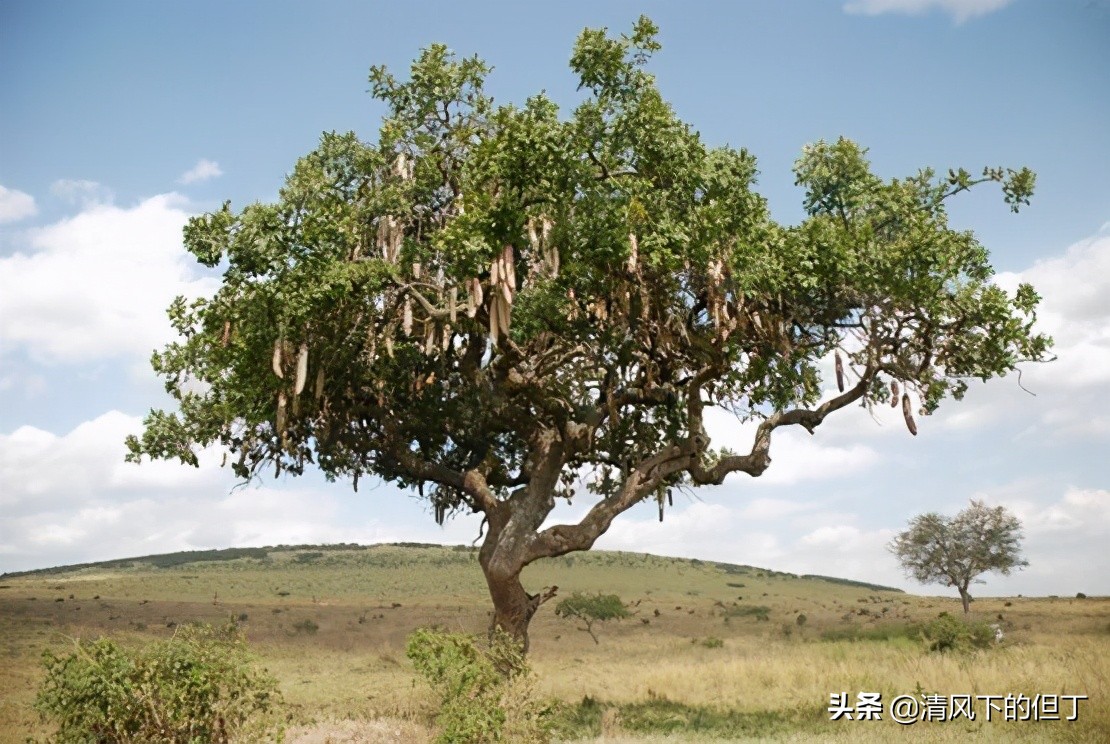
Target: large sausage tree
493,304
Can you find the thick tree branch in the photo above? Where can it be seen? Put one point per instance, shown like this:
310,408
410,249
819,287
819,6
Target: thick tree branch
644,479
654,471
470,482
758,459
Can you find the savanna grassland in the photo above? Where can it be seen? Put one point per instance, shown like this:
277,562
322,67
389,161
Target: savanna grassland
712,651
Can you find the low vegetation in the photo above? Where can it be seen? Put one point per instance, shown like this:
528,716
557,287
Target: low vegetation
485,692
694,663
198,686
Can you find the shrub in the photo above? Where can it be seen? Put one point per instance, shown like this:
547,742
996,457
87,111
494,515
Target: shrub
306,626
198,686
762,613
486,694
948,633
310,556
878,633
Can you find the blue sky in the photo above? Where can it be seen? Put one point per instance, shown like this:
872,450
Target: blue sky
118,120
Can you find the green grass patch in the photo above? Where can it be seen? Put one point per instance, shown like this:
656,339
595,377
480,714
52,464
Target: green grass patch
882,633
759,612
306,626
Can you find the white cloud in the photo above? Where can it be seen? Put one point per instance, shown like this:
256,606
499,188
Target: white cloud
29,385
829,546
202,171
16,205
700,526
845,551
960,10
82,192
41,471
1071,392
1075,309
796,455
764,509
97,285
71,498
1065,538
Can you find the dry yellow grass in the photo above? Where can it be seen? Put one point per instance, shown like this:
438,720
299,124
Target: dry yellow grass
350,678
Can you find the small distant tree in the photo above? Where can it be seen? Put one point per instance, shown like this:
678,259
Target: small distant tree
592,608
954,550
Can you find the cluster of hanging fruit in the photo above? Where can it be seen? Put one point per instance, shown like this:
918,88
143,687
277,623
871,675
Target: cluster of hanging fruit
907,412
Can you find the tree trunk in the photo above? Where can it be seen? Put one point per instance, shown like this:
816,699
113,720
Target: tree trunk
966,599
513,607
502,560
507,548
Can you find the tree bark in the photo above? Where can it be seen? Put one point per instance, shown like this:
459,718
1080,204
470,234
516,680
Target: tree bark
965,598
502,559
513,607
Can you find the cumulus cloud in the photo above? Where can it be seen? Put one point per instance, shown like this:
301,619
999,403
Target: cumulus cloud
41,471
82,192
16,205
1070,391
960,10
1075,309
70,498
202,171
1065,537
97,285
700,530
796,455
783,539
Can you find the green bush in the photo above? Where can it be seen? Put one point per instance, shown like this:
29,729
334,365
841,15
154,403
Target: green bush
762,613
197,687
486,693
949,633
307,625
908,632
310,556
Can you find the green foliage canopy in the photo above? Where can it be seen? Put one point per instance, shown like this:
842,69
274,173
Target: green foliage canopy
491,299
955,550
592,608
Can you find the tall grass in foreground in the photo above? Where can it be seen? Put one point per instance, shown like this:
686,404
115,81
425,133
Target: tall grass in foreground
780,688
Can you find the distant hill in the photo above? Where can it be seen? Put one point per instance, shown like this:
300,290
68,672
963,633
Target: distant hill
309,553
